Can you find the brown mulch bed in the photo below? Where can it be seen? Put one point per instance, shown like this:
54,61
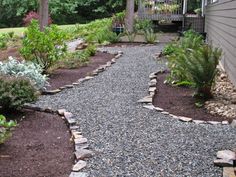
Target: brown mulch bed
179,101
10,51
40,147
62,77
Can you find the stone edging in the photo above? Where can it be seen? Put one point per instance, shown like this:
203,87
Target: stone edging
148,104
100,69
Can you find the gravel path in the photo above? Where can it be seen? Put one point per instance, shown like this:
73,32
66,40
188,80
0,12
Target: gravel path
131,141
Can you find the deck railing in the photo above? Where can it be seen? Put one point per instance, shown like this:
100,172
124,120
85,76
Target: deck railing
161,9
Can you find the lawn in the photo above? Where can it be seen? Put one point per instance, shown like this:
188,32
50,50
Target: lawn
19,31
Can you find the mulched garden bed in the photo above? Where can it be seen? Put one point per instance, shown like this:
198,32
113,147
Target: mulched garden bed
62,77
40,147
179,101
10,51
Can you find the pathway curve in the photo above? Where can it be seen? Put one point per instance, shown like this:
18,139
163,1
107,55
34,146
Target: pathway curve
131,141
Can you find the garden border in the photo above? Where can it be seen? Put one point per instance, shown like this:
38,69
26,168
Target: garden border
89,76
148,101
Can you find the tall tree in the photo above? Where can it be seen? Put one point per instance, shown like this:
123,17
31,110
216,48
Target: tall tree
129,19
43,14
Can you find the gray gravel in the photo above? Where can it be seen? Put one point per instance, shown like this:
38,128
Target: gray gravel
132,141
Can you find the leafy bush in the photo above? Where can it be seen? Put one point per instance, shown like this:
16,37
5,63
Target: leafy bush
131,36
91,50
32,71
5,128
142,25
15,92
201,66
44,48
33,16
175,53
150,36
3,41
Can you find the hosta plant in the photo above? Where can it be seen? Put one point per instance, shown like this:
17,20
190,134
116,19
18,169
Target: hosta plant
15,92
150,36
29,70
5,128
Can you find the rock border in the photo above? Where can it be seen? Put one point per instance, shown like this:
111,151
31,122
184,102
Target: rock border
94,73
148,104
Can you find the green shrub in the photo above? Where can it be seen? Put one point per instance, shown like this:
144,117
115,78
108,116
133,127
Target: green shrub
32,71
175,53
131,36
15,92
5,128
201,66
3,41
150,36
91,50
142,25
44,48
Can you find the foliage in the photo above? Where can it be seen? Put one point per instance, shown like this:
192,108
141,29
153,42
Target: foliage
98,31
15,92
175,52
131,36
44,48
79,58
3,42
33,15
150,36
118,19
193,63
5,128
142,25
167,8
29,70
201,66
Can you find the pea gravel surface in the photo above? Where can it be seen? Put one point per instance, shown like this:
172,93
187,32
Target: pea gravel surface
131,141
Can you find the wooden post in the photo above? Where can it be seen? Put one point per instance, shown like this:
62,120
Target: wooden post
43,14
129,18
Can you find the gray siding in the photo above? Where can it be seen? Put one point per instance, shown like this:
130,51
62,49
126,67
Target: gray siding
220,26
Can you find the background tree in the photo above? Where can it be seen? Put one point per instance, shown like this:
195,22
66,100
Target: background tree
43,14
129,19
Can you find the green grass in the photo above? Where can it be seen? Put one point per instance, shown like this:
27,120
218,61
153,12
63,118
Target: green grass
19,31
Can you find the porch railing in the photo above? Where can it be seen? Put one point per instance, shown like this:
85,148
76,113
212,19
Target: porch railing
171,10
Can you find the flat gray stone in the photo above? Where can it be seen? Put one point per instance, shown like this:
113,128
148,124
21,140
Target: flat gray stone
81,146
69,86
159,109
69,118
151,107
79,174
81,140
165,112
79,165
82,154
61,112
223,163
185,119
213,122
147,99
233,124
199,121
51,92
152,89
226,154
225,122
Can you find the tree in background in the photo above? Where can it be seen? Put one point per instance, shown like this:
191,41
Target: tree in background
43,14
129,19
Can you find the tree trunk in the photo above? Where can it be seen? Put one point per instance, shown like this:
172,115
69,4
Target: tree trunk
129,19
43,14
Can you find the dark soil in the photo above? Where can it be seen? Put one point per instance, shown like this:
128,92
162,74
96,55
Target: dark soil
40,147
62,77
179,101
11,51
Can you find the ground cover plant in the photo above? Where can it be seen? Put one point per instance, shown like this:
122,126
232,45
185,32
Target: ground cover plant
5,128
193,63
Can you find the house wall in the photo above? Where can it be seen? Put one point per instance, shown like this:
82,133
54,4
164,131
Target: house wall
220,26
